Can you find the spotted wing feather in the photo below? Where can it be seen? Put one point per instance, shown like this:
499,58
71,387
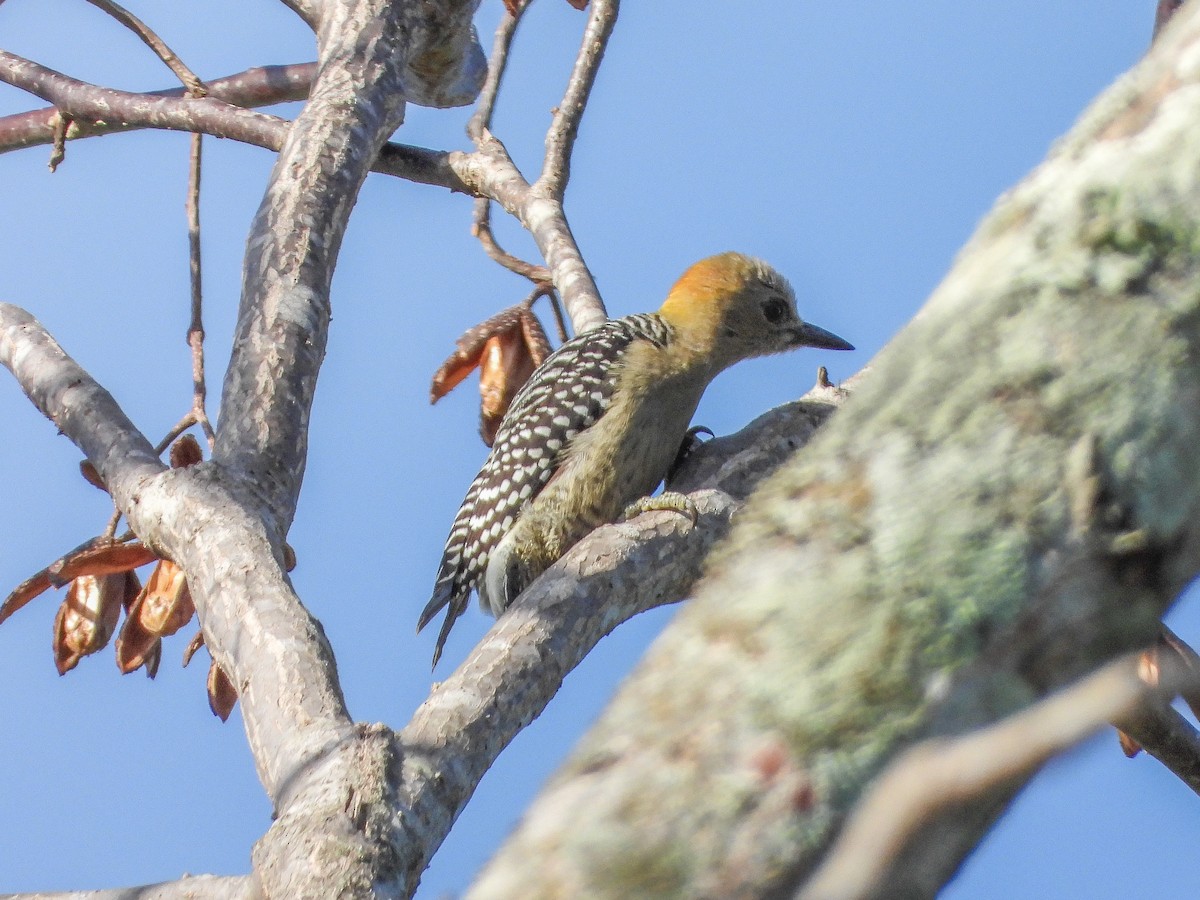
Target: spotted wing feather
567,394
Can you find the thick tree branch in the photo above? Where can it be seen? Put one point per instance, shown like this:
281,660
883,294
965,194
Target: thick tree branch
1007,503
519,665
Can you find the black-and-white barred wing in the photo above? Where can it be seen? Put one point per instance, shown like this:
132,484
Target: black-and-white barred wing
566,395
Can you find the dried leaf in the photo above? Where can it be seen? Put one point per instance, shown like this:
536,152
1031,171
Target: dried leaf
101,559
87,618
193,646
469,351
26,591
185,452
91,476
506,366
578,4
166,603
512,6
153,657
162,608
1129,746
222,695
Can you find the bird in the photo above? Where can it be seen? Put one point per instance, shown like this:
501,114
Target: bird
598,425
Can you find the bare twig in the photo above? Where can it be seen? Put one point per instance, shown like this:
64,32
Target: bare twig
195,335
477,128
98,110
188,420
560,140
1156,727
941,773
485,107
193,84
481,227
490,172
555,307
1168,737
501,180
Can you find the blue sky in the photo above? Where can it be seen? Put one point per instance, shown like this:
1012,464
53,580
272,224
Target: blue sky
855,146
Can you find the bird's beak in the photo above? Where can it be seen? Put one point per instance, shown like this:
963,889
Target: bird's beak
811,336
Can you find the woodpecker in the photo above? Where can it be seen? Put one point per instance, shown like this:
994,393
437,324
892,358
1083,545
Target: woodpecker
597,426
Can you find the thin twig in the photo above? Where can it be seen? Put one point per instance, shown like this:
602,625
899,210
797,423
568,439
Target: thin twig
496,177
177,429
547,290
481,227
477,128
190,80
195,335
939,774
111,528
485,106
560,140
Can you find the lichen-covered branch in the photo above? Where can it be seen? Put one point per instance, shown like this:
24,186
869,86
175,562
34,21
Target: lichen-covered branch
1008,501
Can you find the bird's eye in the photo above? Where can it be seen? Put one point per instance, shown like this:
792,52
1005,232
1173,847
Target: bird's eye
775,310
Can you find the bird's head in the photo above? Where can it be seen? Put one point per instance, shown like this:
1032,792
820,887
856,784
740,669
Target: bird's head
735,307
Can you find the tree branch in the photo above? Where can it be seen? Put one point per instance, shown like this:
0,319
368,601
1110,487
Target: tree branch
490,172
477,127
191,81
262,86
71,399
